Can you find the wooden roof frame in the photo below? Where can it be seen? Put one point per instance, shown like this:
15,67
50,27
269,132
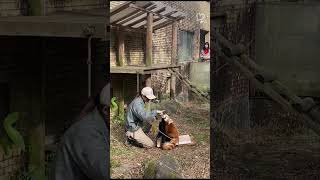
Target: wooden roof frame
137,14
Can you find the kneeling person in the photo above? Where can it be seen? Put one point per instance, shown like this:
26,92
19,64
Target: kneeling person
136,116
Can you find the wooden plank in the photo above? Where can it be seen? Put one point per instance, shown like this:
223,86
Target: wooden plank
134,14
174,58
138,82
161,68
162,25
148,11
174,43
36,7
149,40
137,15
143,19
127,29
120,49
155,19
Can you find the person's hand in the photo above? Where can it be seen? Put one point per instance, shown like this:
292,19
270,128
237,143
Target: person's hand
160,112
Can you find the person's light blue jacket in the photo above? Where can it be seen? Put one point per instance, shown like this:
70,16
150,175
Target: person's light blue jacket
136,115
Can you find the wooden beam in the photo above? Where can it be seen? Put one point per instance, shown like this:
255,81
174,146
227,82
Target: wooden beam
166,23
136,22
148,11
174,43
36,7
149,40
174,58
121,8
135,14
143,19
138,82
120,49
161,68
128,29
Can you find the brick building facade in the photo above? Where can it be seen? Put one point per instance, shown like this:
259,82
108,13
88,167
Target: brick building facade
190,31
162,38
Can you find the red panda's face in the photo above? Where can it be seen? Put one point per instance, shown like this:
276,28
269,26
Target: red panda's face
167,119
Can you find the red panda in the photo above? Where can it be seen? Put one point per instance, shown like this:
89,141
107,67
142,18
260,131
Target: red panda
168,127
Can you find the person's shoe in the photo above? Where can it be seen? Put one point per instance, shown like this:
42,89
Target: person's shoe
128,143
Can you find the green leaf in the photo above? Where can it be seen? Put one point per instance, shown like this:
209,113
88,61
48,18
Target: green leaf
13,134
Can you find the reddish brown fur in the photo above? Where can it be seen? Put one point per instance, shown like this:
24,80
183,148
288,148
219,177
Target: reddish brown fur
172,132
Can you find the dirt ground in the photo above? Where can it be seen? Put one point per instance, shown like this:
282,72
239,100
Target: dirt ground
261,153
194,161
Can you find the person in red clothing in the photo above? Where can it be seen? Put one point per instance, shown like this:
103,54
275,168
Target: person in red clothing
205,52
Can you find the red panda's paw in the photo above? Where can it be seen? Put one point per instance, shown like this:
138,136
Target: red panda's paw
168,146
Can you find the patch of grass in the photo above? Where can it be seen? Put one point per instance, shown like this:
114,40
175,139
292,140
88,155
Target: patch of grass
114,163
200,137
119,151
119,119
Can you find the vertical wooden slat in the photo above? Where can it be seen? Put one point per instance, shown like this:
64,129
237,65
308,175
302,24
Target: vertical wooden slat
121,55
174,58
36,7
149,40
121,98
138,83
37,125
89,62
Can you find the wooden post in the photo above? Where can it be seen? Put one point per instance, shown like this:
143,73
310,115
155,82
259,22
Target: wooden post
196,44
36,135
121,99
174,58
138,82
149,40
121,57
36,7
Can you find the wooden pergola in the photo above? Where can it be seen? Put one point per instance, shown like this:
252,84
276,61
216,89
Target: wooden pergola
144,17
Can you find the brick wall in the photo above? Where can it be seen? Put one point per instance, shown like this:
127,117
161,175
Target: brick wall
163,36
161,46
134,49
11,163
